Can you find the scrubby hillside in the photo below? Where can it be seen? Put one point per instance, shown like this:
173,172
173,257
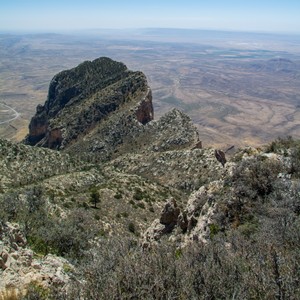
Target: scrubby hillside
135,208
236,237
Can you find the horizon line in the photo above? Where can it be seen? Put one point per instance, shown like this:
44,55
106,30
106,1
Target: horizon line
78,30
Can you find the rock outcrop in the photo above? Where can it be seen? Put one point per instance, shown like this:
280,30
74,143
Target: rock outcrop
144,112
187,225
220,156
164,225
19,266
170,214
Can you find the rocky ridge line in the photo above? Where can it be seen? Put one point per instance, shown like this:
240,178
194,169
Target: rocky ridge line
81,98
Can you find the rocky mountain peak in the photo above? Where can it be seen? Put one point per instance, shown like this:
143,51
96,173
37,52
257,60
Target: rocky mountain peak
102,108
82,97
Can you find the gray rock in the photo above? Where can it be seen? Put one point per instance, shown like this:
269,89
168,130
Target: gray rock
18,268
170,213
182,221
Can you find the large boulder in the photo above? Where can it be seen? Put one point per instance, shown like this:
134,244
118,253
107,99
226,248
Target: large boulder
170,213
164,225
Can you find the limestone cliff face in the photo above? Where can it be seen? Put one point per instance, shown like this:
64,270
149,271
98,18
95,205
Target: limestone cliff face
80,98
144,113
37,127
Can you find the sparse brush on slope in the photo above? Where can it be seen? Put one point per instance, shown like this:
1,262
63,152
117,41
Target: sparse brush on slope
224,232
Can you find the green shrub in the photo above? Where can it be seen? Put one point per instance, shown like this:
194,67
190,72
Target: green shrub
125,214
85,205
213,230
131,227
67,205
118,196
39,245
248,228
36,291
178,253
95,197
138,194
281,145
255,178
295,162
141,205
67,268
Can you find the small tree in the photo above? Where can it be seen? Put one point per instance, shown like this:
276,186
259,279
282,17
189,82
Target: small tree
95,198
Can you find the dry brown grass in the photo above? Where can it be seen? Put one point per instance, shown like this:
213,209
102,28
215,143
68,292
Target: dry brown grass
11,294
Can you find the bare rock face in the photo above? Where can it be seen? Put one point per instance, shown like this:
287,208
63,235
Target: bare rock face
144,113
19,267
220,156
38,126
170,213
164,225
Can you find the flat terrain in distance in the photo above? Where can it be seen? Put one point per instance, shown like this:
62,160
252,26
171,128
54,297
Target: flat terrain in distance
239,89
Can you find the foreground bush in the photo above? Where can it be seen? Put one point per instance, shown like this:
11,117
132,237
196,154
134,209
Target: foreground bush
229,267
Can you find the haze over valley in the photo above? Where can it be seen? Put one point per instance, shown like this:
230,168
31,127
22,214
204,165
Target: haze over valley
239,88
149,149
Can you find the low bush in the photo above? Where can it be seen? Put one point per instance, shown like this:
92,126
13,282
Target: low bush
255,178
131,227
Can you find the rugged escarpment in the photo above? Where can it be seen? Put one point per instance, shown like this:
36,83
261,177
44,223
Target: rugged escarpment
81,98
72,222
102,110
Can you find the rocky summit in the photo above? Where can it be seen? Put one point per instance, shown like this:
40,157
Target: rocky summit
99,189
81,98
102,109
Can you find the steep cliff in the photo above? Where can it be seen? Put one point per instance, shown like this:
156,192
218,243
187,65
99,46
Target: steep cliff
102,110
81,98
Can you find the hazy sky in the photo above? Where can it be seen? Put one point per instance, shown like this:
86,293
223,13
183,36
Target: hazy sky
54,15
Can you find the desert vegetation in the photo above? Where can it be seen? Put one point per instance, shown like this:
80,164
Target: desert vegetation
135,208
252,251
